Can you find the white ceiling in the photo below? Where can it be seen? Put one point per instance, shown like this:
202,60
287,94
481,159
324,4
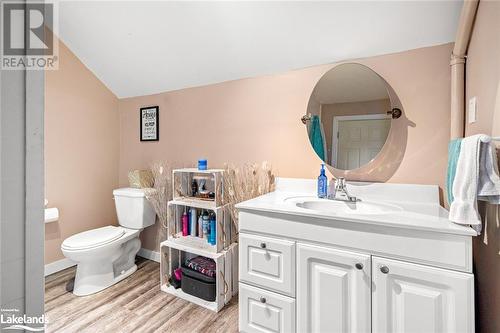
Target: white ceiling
139,48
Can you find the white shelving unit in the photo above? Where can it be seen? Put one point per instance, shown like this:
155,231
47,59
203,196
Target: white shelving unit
182,179
225,234
226,273
176,248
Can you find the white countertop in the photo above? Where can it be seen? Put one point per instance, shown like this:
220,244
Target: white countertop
419,203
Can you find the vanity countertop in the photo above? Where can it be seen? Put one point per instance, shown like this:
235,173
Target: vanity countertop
418,205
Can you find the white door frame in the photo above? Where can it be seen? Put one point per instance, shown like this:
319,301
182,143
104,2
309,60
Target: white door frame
336,119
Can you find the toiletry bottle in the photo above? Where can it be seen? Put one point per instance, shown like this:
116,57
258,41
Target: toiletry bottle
331,189
194,188
322,183
202,164
213,229
184,223
206,225
193,222
200,224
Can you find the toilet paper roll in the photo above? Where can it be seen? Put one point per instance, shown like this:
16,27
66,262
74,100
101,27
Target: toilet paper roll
51,215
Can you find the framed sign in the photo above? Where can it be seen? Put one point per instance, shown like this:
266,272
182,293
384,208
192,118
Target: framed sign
149,118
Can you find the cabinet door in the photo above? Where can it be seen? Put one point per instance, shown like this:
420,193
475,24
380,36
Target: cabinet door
415,298
333,290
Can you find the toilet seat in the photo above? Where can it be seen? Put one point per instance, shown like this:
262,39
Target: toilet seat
93,238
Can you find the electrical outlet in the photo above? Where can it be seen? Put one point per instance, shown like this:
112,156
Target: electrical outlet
472,110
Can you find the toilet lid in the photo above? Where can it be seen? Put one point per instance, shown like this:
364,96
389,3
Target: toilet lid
93,238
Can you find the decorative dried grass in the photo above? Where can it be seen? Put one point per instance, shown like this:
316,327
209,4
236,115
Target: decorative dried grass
140,178
246,182
160,193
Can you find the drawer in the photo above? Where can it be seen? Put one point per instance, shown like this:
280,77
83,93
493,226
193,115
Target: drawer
268,263
264,311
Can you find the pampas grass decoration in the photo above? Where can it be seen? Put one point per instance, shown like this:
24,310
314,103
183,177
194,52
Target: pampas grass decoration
160,193
246,182
140,178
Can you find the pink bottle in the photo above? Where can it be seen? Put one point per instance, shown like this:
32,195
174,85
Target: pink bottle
185,222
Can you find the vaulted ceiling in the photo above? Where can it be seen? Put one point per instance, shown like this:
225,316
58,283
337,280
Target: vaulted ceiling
145,47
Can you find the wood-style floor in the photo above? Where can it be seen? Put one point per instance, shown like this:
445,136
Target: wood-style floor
135,304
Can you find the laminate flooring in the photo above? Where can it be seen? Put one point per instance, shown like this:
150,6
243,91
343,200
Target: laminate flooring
135,304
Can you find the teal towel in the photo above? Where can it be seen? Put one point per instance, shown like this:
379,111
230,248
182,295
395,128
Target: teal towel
316,137
453,154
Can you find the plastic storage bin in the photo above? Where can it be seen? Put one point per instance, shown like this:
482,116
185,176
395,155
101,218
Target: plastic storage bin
198,284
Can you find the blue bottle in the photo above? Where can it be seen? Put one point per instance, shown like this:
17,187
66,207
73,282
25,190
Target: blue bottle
322,183
213,229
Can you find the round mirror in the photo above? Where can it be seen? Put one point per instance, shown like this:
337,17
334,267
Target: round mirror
349,116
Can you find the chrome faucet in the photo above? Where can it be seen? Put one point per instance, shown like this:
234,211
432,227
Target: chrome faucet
340,192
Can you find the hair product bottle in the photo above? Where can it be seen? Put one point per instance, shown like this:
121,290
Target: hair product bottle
193,222
212,238
184,223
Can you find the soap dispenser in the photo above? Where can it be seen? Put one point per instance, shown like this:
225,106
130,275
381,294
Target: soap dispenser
322,183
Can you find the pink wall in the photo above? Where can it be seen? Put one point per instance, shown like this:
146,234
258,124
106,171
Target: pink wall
258,119
483,81
81,151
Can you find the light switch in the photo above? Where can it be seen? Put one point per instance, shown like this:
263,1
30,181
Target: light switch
472,110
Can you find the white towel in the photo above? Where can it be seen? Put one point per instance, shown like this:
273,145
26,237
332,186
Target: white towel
476,179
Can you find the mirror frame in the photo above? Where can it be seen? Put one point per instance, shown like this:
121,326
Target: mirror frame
388,159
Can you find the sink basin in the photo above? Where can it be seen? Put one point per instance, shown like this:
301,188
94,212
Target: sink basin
341,207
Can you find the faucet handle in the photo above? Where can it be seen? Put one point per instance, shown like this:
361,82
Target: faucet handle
340,183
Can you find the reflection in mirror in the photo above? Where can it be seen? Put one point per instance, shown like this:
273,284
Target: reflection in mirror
348,116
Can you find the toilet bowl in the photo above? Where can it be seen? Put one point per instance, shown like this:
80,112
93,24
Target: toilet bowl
106,255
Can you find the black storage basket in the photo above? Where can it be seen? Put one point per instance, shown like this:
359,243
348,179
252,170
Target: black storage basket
199,285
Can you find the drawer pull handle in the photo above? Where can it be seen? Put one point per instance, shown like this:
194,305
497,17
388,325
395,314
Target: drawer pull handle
263,300
359,265
263,245
384,269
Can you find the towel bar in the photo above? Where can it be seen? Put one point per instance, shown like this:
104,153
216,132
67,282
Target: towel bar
487,138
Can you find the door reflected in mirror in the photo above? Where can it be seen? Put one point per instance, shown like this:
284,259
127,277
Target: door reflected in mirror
349,116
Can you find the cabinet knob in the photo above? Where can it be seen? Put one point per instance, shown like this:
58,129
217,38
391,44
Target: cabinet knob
263,300
263,245
384,269
359,265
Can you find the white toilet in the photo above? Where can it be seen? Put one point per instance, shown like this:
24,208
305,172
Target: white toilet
106,255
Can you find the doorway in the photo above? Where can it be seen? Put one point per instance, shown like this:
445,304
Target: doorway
356,140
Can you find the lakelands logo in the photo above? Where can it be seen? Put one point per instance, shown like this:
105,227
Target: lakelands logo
11,319
27,35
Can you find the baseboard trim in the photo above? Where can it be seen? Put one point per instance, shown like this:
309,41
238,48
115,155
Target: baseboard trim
62,264
58,266
148,254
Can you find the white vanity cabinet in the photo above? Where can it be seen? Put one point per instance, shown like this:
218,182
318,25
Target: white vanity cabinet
313,271
414,298
347,291
333,290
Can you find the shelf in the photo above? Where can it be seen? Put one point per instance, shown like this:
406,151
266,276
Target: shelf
190,244
194,242
182,180
195,170
190,298
193,202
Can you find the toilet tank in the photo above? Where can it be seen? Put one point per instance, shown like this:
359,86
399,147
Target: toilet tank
133,209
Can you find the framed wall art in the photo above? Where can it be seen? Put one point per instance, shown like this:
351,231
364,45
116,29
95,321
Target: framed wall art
149,123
